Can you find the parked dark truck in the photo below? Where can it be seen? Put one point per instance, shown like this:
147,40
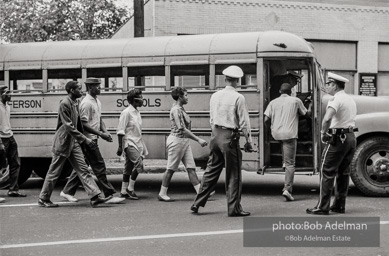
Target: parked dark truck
36,74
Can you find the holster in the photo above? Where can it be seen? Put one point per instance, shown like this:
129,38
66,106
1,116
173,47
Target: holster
234,138
333,140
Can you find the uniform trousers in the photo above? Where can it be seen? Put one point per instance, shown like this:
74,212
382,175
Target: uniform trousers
77,161
336,161
228,155
96,162
12,157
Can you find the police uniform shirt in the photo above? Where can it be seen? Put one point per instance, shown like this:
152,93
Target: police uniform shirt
90,112
283,112
228,109
346,110
5,125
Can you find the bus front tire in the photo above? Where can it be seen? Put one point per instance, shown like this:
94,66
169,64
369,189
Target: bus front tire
370,167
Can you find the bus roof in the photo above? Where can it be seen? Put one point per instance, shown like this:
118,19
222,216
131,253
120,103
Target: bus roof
209,48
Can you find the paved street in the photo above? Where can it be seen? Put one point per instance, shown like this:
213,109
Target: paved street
150,227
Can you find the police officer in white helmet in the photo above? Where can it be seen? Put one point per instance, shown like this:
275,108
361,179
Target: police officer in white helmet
337,133
228,116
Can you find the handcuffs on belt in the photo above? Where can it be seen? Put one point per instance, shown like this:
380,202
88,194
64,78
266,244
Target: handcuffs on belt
331,137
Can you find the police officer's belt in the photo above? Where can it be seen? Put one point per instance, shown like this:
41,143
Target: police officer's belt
225,128
339,131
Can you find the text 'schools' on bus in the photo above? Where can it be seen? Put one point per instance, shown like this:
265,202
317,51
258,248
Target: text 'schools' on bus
37,73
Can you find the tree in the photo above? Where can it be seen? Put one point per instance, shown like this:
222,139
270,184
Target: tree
59,20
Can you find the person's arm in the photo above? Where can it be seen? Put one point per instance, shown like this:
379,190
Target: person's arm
123,120
179,122
190,135
244,123
327,120
64,113
267,122
119,151
105,135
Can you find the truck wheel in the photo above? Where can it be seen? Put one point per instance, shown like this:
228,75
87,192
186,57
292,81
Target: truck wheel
370,167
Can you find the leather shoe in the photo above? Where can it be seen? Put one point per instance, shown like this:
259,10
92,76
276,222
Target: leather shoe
99,200
194,208
46,203
317,211
16,194
336,209
240,214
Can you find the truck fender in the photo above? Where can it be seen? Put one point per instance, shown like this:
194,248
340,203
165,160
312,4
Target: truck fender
372,122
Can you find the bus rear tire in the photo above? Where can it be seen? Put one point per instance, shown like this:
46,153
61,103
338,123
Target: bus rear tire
24,174
369,167
40,166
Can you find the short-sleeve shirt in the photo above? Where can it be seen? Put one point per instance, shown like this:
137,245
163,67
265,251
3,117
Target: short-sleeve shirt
5,124
228,109
90,112
346,110
179,120
284,114
130,125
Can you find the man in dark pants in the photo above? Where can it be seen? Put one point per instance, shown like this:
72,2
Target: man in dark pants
67,143
8,145
90,114
338,133
228,115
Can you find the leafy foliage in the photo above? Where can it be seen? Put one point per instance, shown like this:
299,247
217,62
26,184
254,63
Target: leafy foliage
59,20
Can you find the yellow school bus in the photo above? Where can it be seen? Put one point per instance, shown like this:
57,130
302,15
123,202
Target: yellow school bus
37,72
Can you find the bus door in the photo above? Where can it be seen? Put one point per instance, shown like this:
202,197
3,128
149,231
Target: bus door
276,72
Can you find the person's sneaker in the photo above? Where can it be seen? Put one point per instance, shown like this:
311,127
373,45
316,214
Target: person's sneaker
68,197
125,195
132,195
287,195
164,198
115,200
2,200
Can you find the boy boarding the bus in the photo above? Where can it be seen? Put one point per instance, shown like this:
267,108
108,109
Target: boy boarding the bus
178,145
130,139
67,143
283,113
8,145
90,114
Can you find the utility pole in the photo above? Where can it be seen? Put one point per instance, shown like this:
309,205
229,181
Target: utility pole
139,30
139,18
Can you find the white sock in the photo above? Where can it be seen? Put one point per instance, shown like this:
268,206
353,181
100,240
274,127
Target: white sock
131,186
163,191
124,186
197,188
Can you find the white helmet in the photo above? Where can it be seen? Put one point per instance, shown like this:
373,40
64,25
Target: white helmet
233,71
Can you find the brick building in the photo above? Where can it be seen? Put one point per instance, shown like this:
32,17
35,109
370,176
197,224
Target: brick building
350,37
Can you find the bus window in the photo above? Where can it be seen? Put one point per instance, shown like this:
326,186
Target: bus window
190,76
111,78
1,75
249,80
26,80
57,78
151,78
